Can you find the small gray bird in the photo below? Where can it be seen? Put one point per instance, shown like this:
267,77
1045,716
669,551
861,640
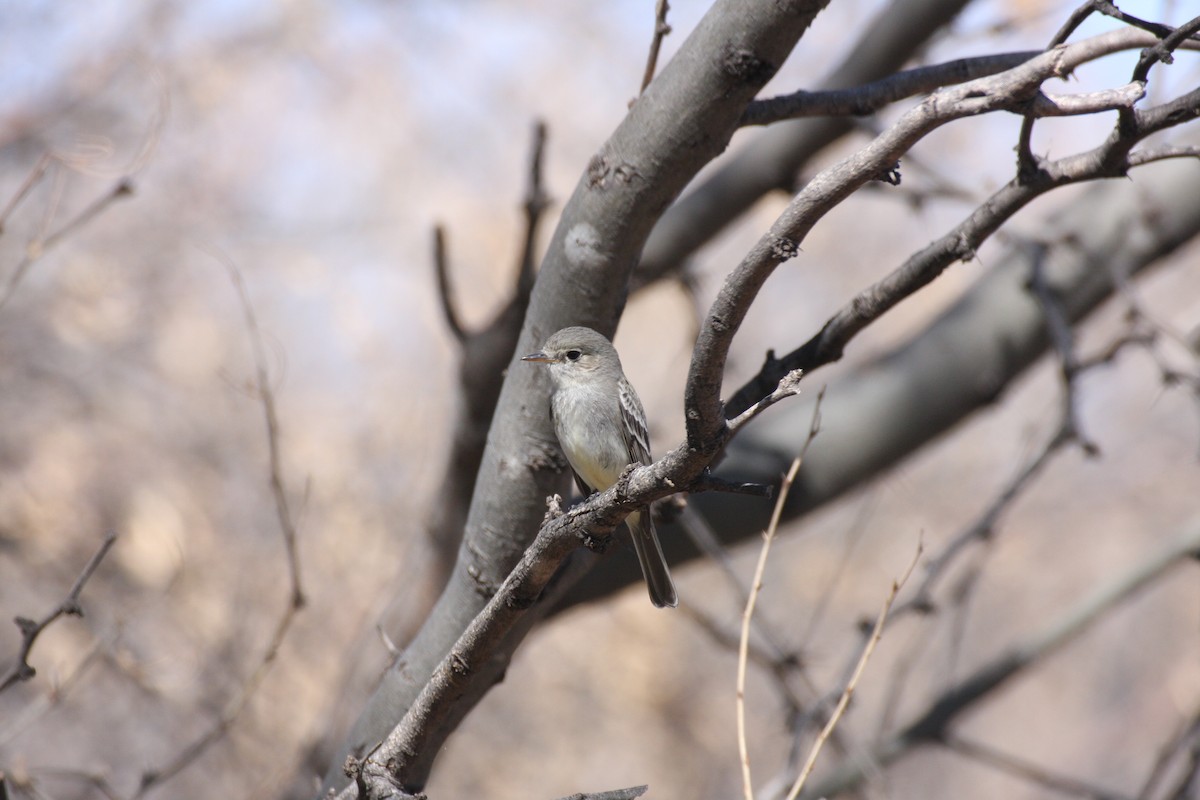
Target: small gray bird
601,428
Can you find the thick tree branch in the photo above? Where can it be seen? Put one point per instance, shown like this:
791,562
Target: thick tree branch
683,120
1111,159
777,155
484,354
1010,90
389,765
959,364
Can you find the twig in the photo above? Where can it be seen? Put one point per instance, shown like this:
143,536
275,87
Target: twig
17,723
661,29
705,414
1149,155
814,428
778,661
39,246
844,701
262,383
933,723
1112,158
535,205
631,793
747,615
1184,740
871,97
152,779
982,529
788,386
770,656
707,482
1027,770
442,271
35,176
22,670
1058,327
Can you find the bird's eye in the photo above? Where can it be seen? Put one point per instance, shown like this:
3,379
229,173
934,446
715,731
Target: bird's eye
573,355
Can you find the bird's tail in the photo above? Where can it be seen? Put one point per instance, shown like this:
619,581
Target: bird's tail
650,556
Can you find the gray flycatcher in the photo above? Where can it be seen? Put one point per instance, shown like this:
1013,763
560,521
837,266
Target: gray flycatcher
601,428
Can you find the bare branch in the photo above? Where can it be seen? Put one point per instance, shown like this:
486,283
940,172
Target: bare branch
1028,771
961,243
1123,97
441,269
1149,155
1062,338
34,178
1184,744
871,97
21,669
747,615
847,693
154,778
631,793
788,386
1008,90
934,723
887,42
266,395
661,29
37,248
535,205
1161,51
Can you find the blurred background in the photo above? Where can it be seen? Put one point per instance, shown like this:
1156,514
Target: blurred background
311,146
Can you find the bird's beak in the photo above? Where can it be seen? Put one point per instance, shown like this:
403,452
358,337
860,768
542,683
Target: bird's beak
539,357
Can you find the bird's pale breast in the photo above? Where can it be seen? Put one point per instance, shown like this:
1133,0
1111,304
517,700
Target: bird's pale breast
588,426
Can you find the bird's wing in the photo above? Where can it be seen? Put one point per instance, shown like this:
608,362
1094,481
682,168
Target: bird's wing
633,424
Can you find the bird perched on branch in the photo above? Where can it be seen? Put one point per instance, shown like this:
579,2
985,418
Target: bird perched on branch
601,428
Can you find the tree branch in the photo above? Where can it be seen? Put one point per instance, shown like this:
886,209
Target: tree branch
661,29
934,723
1010,90
22,670
871,97
684,119
441,270
1110,159
778,154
